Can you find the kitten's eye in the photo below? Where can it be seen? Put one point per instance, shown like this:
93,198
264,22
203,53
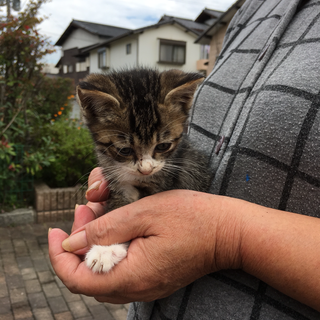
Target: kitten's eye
163,147
126,151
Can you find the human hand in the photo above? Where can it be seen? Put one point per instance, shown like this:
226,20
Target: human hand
96,195
177,237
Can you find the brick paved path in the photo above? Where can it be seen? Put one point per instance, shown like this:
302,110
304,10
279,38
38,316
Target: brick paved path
29,289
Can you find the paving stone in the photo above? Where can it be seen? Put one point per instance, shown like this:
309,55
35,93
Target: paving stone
32,244
78,309
90,301
8,316
14,281
113,307
28,274
5,306
18,296
23,312
27,232
44,247
120,314
100,312
37,300
21,251
4,233
6,246
59,282
51,290
63,316
15,233
30,288
11,268
46,276
3,288
8,257
69,296
24,262
43,239
33,286
43,314
39,229
57,305
36,254
41,265
18,243
126,306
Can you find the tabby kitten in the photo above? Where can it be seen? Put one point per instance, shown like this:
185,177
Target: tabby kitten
137,119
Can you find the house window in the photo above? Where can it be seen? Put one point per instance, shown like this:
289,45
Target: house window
102,58
172,51
81,66
128,48
67,68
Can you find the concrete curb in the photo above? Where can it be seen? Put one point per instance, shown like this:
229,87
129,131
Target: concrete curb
17,217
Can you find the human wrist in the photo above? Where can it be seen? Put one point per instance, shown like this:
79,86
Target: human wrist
226,221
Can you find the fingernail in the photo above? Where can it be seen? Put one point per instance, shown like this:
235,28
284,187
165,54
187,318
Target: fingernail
49,230
76,206
94,186
75,242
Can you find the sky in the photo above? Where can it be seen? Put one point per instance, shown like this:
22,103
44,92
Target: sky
131,14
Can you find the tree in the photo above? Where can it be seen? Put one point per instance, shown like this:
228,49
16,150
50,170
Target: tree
28,100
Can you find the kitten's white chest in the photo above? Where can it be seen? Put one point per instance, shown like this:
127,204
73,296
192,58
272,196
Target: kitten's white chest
130,192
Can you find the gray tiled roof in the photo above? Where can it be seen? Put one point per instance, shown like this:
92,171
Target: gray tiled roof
102,30
196,27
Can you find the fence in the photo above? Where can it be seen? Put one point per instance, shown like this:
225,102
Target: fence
58,203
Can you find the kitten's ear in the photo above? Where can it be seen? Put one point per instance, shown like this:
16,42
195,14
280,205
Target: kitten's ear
95,103
182,96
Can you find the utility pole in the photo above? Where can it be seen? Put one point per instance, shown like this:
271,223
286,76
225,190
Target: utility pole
8,10
15,4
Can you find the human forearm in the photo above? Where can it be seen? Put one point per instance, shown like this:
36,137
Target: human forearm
283,250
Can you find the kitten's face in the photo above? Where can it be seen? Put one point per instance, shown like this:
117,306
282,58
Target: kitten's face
130,156
137,119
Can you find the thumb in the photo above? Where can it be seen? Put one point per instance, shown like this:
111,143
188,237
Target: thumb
118,226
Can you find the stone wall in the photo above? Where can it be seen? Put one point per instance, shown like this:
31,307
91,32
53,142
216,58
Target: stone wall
56,204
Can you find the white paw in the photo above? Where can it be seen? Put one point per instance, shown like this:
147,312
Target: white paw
103,258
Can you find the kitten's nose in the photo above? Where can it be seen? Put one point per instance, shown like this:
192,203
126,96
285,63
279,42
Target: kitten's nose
145,167
145,172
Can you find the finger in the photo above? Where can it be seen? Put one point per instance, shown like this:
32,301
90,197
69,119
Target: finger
118,226
82,215
70,268
98,208
98,186
59,258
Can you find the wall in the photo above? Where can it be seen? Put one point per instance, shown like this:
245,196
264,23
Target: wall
80,38
118,56
215,46
149,47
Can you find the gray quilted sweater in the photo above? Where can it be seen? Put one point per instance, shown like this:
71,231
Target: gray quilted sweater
257,116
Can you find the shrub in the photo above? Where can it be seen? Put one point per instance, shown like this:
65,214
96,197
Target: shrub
74,155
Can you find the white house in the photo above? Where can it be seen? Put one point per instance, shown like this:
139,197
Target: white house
79,36
90,47
165,45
